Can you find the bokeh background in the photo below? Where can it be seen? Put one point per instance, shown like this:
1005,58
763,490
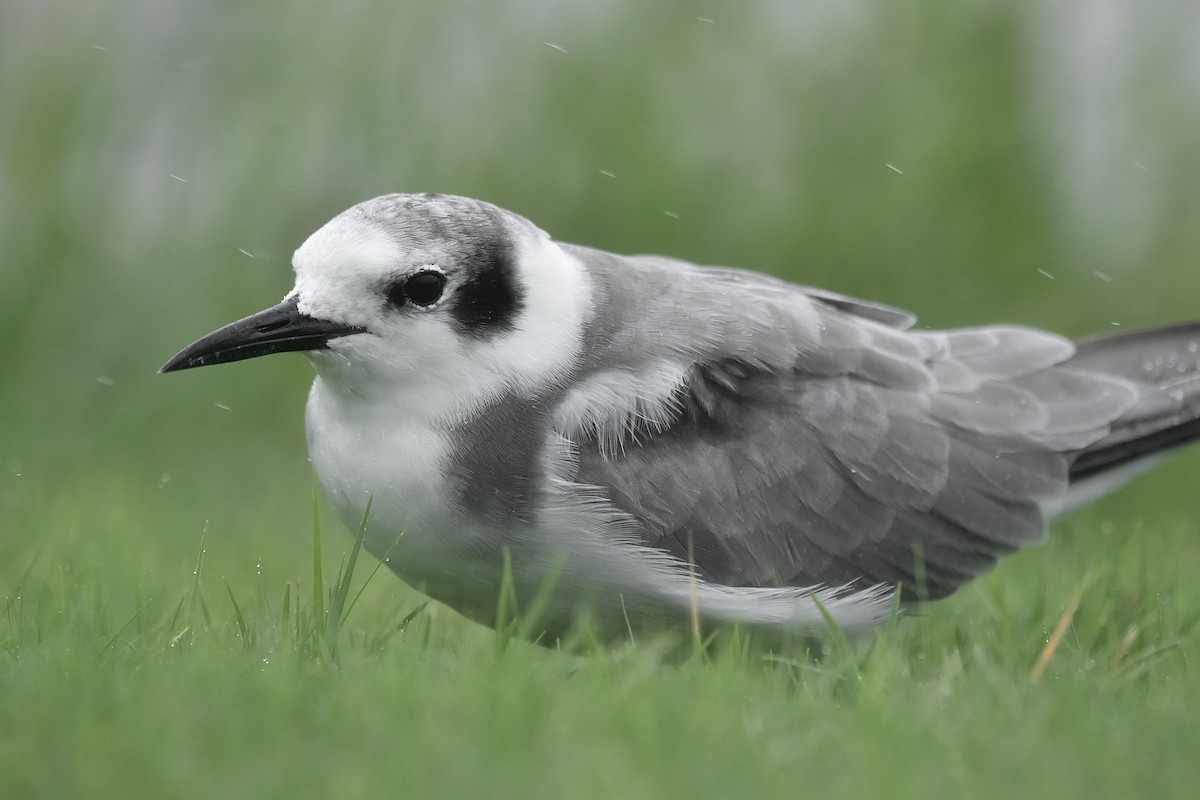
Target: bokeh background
974,161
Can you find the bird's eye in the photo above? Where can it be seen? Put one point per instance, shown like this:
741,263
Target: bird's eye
423,289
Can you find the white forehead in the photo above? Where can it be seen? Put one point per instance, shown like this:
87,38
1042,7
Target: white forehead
343,263
344,246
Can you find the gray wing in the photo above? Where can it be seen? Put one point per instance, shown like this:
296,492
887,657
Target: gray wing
818,442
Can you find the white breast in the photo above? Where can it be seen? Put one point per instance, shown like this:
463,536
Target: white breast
364,451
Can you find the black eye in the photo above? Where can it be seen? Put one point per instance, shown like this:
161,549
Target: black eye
423,289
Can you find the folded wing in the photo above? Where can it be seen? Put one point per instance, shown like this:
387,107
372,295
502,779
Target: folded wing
810,439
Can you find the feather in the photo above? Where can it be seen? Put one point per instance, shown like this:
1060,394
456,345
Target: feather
813,439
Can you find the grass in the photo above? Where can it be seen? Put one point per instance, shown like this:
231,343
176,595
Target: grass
1065,674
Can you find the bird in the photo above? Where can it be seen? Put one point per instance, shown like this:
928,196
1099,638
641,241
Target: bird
641,444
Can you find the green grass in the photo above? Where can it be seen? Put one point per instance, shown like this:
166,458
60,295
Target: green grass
186,683
172,627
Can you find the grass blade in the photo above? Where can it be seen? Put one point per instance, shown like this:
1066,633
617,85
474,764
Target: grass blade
237,613
318,592
341,591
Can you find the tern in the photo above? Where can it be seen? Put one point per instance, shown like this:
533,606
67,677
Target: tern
647,444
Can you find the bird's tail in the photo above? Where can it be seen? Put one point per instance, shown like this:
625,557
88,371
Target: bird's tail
1165,365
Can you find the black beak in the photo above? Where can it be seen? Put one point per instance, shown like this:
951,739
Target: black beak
278,329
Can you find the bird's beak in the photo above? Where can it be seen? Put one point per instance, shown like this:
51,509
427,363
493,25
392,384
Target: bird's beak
278,329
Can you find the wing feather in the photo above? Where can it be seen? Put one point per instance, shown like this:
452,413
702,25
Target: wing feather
816,440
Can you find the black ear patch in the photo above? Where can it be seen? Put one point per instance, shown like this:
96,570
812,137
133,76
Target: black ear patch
488,302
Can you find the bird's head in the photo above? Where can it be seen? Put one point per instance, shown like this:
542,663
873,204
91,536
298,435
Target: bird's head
404,287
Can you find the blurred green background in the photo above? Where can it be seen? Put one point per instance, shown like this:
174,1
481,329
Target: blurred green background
976,162
159,161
